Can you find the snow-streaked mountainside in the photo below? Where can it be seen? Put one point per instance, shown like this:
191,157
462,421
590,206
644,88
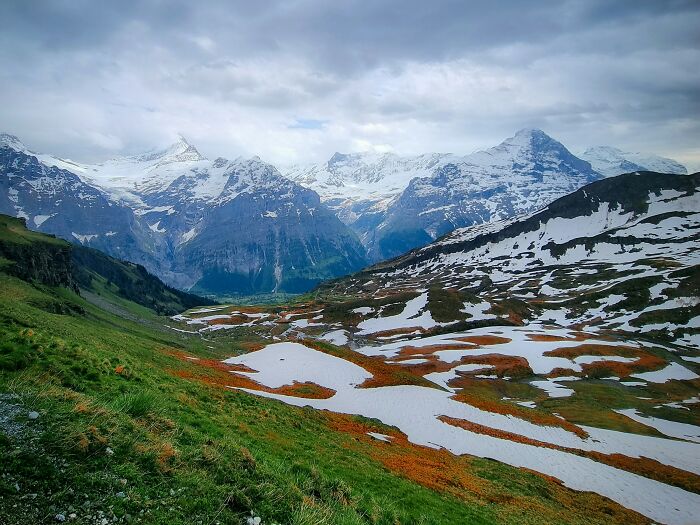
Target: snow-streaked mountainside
373,177
57,201
612,161
522,174
565,341
220,226
195,221
620,253
397,203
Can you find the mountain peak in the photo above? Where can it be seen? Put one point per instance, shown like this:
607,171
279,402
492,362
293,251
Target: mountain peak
531,132
337,157
612,161
530,136
182,150
11,141
179,151
528,142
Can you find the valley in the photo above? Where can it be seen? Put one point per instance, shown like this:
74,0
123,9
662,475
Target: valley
112,413
476,384
528,360
515,371
349,263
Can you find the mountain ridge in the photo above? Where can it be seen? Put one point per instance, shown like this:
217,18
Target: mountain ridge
165,198
149,208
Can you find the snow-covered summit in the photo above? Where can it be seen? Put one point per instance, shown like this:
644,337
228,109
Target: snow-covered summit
521,174
180,151
179,173
13,142
528,151
376,177
612,161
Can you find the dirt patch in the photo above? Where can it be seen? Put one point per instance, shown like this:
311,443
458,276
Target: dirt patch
398,331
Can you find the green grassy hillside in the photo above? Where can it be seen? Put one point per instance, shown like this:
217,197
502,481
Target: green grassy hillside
105,417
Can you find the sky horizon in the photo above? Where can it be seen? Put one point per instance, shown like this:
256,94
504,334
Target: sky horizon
296,81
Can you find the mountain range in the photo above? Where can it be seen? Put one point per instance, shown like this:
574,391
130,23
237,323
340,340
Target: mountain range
563,341
397,203
231,227
558,347
218,227
618,254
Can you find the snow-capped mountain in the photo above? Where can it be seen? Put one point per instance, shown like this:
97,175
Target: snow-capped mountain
620,253
396,203
240,223
57,201
522,174
376,177
612,161
187,218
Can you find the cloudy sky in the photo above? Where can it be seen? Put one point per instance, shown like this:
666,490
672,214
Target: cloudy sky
297,80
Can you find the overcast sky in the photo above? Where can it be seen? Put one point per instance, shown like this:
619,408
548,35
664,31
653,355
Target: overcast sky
297,80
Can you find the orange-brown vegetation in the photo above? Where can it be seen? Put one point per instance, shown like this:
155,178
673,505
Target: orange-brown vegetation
645,361
515,318
383,373
503,365
236,367
217,373
251,346
435,469
642,466
285,316
234,319
445,472
651,468
306,390
398,331
508,409
410,351
484,339
563,372
545,338
595,349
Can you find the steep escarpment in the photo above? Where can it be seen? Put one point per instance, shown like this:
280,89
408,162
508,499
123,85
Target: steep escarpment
34,257
44,259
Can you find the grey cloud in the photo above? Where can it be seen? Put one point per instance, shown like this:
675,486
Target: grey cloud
82,78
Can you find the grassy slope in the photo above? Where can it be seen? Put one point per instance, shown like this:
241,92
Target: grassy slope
96,271
130,430
14,230
185,451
